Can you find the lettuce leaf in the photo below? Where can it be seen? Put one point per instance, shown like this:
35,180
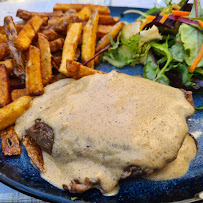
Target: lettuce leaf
192,40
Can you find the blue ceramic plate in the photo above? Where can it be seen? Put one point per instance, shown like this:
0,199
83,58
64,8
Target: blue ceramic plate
19,173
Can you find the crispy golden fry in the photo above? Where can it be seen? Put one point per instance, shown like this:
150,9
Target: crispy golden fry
10,112
26,15
3,38
45,59
17,93
4,50
34,152
76,70
70,45
89,39
85,13
108,20
104,10
27,34
33,76
102,30
4,86
104,41
61,25
10,142
9,65
56,45
17,56
50,34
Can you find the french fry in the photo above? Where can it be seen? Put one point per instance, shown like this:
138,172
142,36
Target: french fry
4,50
10,142
4,86
103,10
26,15
76,70
2,30
50,34
56,45
61,25
104,41
33,77
45,59
70,45
85,13
10,112
17,56
89,39
17,93
27,34
9,65
108,20
34,152
3,38
102,30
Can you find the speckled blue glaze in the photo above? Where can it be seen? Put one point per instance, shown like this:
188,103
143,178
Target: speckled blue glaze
20,174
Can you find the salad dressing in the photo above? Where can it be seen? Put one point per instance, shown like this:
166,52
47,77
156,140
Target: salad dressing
106,122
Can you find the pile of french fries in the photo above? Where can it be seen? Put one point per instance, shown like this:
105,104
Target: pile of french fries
41,49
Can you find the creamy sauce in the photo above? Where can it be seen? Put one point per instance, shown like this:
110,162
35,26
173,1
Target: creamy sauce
180,165
106,122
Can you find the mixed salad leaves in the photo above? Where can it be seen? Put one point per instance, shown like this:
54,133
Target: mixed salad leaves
167,41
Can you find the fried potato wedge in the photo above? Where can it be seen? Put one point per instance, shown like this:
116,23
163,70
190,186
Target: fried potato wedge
4,86
4,50
103,10
10,112
45,59
89,39
18,61
85,13
102,30
9,65
10,142
33,76
70,45
104,41
108,20
76,70
27,34
34,152
26,15
56,45
50,34
17,93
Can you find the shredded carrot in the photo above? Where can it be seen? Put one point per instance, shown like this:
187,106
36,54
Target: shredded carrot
200,23
150,18
143,24
164,18
175,6
197,60
180,13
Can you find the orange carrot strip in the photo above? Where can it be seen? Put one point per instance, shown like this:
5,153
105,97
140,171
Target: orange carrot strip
197,60
150,17
200,23
164,18
143,24
180,13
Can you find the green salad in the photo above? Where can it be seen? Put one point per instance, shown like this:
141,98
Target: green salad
167,41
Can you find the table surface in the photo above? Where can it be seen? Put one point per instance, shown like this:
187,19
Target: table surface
10,7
